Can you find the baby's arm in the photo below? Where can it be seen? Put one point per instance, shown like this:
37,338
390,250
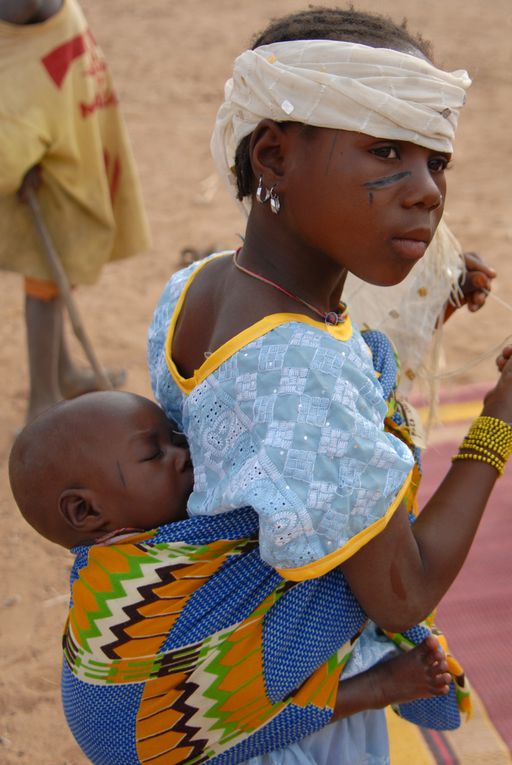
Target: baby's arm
419,673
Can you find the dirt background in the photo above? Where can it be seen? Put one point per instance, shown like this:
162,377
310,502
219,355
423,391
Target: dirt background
170,61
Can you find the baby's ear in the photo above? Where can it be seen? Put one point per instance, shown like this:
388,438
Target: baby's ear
80,510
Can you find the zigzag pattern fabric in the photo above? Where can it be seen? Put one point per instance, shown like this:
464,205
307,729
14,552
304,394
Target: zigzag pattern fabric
181,647
203,638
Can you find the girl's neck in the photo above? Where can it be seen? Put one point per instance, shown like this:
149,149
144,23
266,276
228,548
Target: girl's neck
304,271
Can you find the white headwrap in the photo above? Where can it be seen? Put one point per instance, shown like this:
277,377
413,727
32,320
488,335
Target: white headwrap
340,85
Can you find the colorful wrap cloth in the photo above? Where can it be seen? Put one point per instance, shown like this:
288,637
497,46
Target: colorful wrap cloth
184,642
182,646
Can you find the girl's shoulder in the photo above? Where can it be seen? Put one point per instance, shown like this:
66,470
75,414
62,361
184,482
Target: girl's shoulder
176,284
170,297
269,347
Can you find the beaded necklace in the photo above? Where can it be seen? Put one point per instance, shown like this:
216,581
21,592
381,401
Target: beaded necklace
331,317
106,538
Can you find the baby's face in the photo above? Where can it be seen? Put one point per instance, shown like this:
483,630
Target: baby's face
147,472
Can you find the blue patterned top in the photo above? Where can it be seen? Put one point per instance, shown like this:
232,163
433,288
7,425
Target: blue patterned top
287,417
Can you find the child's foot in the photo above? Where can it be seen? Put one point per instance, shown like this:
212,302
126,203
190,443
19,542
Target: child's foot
36,408
84,381
80,382
416,674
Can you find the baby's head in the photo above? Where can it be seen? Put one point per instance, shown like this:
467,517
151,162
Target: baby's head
101,462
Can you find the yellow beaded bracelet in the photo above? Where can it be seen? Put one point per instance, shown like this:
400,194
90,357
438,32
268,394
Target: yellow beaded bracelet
464,447
488,440
479,436
490,431
473,444
495,463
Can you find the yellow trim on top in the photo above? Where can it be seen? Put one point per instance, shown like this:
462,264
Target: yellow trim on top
342,331
330,561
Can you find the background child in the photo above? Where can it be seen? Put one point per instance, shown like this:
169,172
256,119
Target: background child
61,133
95,472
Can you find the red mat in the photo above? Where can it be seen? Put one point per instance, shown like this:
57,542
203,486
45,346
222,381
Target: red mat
476,614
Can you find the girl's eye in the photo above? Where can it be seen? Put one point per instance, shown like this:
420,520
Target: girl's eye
386,152
438,164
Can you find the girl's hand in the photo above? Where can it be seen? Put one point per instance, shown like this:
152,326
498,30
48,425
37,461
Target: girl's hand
504,356
31,182
476,284
498,402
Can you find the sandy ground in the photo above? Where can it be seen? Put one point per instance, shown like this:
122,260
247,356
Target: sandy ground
170,61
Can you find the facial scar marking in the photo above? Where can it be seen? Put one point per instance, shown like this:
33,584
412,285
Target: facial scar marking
380,182
370,198
331,152
121,476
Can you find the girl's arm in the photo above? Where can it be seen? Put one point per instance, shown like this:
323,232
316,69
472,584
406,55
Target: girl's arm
402,574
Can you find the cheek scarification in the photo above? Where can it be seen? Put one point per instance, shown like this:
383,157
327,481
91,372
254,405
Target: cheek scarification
379,183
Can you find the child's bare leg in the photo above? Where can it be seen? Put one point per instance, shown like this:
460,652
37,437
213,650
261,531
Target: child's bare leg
74,381
52,373
416,674
44,326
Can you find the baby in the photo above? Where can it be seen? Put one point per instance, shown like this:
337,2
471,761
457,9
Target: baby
108,473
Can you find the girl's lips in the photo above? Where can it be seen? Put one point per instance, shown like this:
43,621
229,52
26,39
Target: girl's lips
412,249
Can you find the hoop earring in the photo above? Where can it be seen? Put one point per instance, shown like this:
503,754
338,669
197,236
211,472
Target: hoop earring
262,194
275,202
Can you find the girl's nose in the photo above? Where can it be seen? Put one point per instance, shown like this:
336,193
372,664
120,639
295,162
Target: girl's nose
423,190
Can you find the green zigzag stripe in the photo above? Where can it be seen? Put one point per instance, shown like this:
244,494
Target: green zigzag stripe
195,552
136,564
103,611
216,668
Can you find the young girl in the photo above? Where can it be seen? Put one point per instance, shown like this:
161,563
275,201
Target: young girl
336,130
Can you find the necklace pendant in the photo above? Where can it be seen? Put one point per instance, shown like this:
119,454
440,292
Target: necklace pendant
333,318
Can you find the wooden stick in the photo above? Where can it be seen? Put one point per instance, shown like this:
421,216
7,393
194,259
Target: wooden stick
61,279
